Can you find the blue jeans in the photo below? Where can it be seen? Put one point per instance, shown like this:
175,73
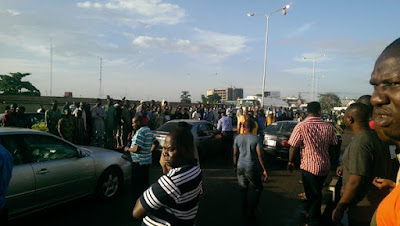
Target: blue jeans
250,177
249,198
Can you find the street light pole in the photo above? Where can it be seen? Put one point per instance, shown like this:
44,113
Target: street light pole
313,82
284,10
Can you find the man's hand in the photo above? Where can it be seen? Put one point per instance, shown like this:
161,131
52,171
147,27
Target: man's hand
339,171
265,175
290,166
126,148
383,183
337,215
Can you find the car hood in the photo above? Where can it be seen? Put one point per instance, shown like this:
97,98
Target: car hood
95,150
104,155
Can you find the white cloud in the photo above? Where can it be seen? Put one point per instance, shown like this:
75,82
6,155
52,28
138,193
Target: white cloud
303,28
303,70
147,41
84,4
149,12
300,30
13,12
215,45
221,43
97,5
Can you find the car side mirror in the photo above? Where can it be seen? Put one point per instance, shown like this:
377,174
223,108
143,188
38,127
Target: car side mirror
81,153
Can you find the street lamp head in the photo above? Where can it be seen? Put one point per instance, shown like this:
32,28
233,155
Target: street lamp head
250,14
284,9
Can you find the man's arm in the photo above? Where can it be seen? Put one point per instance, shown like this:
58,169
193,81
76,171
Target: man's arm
352,188
384,183
59,125
134,149
292,153
154,145
219,125
138,211
235,157
260,159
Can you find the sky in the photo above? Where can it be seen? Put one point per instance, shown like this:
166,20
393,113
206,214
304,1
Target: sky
155,49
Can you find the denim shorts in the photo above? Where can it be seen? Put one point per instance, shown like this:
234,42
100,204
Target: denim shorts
248,178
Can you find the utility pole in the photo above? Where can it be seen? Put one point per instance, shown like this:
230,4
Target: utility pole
51,67
101,72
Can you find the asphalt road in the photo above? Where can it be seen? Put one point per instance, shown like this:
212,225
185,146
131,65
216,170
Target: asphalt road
219,205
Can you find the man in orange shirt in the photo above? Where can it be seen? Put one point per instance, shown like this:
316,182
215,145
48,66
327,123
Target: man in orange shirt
385,79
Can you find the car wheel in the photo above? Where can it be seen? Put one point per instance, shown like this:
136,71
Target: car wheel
109,184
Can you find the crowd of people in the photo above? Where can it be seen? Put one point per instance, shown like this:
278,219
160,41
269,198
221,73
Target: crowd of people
369,166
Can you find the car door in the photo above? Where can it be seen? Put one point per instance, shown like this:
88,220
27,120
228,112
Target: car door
21,190
60,173
203,144
215,139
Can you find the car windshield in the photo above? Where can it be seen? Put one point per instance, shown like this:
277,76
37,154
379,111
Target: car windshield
168,127
280,128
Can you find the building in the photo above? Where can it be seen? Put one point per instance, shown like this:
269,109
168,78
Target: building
273,94
227,94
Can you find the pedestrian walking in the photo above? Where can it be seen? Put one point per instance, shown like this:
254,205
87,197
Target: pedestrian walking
314,137
247,161
225,127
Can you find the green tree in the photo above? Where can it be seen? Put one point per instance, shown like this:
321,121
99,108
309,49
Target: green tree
204,100
211,99
214,98
13,85
185,97
329,101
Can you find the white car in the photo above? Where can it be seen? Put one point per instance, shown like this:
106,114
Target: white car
49,170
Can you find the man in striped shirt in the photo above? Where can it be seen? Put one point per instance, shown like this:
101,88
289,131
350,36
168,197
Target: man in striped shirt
313,136
143,143
174,198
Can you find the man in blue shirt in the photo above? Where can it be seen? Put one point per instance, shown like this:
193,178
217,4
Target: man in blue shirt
225,127
6,167
247,161
143,143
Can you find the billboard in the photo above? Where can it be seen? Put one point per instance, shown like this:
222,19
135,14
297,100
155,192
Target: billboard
272,94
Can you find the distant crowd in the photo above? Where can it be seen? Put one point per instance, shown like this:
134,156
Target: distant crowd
110,125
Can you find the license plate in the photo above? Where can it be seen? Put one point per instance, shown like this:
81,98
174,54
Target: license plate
271,143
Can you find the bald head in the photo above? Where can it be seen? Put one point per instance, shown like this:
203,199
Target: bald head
366,99
359,112
394,45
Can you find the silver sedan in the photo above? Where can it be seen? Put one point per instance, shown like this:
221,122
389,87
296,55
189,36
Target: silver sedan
49,170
